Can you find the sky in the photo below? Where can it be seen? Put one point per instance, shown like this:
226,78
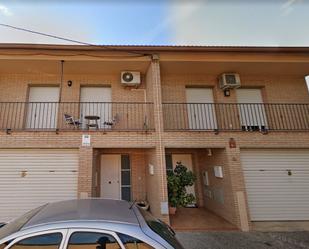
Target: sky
159,22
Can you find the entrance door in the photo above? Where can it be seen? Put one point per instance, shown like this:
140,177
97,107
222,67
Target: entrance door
96,101
201,111
42,111
186,160
252,112
110,176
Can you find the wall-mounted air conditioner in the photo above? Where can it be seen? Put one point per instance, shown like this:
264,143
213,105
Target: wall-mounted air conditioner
229,80
130,78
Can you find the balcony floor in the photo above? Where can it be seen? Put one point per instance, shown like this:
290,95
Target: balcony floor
199,219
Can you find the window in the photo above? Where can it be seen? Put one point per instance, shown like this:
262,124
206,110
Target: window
91,240
169,163
50,241
133,243
125,178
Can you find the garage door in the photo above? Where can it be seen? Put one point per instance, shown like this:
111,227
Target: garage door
29,178
277,184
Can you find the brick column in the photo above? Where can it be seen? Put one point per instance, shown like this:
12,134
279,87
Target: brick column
238,188
154,95
85,172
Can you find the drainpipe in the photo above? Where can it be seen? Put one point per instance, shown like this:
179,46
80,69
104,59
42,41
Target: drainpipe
61,80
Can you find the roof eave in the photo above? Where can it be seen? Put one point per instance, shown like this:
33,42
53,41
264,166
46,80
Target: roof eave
157,48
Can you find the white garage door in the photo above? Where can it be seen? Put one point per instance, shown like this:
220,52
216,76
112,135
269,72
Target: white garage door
277,184
29,178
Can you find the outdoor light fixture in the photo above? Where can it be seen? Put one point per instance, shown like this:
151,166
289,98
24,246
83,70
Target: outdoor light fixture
209,152
70,82
227,93
8,131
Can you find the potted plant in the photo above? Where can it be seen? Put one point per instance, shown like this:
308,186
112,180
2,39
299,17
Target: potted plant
177,181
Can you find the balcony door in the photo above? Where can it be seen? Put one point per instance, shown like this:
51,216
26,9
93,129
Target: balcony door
200,109
251,109
96,101
42,108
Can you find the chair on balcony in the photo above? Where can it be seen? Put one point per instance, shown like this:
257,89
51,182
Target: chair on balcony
112,122
69,119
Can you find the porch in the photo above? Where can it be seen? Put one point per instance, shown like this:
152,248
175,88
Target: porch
213,207
129,174
199,219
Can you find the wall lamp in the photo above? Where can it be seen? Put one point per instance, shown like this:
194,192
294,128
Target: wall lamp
227,93
70,83
8,131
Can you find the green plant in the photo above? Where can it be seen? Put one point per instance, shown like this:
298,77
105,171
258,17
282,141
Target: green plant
177,181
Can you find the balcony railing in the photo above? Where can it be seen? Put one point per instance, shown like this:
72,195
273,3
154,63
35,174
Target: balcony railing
107,116
236,117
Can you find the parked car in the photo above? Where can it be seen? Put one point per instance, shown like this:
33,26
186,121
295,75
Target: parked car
88,223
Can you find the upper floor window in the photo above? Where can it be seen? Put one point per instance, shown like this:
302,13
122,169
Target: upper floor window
251,109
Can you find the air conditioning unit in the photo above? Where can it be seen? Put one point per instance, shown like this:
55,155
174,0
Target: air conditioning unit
229,80
130,78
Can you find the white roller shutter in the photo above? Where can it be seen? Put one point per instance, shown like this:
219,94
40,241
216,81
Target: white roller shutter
29,178
272,193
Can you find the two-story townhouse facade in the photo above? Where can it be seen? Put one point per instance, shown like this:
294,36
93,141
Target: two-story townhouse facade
70,129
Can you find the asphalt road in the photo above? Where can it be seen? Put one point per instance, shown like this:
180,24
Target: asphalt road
242,240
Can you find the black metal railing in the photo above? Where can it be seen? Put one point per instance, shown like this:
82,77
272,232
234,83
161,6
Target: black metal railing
76,116
235,117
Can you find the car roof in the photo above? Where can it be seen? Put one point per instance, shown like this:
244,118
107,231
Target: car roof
107,210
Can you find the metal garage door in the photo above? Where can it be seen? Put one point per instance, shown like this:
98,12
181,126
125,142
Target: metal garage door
277,183
29,178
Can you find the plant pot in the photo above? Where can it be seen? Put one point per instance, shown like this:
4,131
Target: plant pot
172,210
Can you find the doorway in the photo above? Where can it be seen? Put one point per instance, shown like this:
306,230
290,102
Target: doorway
96,101
201,109
42,111
251,109
115,177
185,160
110,176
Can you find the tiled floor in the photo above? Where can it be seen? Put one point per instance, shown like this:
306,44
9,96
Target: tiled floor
199,219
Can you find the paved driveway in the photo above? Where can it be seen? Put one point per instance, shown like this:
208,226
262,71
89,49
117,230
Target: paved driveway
241,240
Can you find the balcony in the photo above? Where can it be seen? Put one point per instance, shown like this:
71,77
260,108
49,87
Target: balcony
50,116
235,117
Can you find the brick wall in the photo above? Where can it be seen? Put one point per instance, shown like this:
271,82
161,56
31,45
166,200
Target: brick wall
289,89
218,186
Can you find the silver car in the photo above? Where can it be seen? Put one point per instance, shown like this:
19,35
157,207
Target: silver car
89,223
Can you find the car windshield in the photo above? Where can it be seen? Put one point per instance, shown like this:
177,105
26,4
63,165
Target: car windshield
17,224
162,229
